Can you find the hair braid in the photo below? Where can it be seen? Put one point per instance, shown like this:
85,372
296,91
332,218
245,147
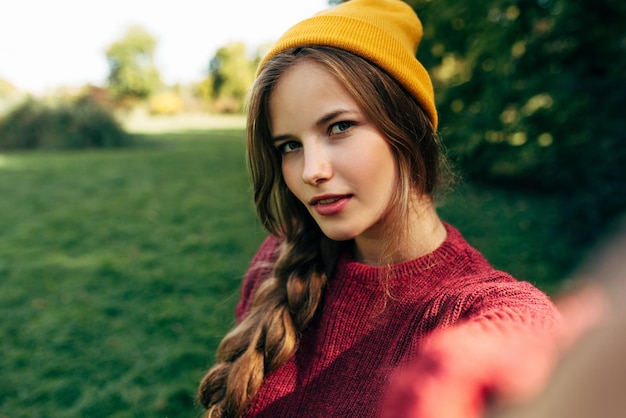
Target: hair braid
282,308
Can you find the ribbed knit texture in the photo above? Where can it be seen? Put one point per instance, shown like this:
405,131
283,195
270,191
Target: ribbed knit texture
345,359
384,32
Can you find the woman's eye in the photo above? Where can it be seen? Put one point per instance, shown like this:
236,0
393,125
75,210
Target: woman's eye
289,146
340,127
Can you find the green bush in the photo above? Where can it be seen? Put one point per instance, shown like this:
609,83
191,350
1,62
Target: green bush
69,124
531,95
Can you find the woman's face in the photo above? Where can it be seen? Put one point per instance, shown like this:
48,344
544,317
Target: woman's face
334,160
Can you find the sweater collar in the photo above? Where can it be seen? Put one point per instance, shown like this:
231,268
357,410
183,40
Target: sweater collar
436,264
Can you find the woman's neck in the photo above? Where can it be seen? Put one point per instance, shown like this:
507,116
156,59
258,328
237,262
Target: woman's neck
421,234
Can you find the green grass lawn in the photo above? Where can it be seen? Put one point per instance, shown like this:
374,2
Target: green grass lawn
119,270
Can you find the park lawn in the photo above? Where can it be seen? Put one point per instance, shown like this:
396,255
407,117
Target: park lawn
119,269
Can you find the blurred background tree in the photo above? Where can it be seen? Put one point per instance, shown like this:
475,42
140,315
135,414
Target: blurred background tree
231,72
9,96
133,75
7,89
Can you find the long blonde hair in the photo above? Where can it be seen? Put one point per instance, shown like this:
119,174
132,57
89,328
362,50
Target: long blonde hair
285,303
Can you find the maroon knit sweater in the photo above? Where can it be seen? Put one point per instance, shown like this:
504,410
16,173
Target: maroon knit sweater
360,336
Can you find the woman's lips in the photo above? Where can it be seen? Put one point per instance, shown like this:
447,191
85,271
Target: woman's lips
330,205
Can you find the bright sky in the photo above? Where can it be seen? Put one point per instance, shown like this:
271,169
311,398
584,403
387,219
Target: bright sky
45,43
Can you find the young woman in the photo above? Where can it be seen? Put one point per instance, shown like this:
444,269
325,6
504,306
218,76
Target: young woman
358,269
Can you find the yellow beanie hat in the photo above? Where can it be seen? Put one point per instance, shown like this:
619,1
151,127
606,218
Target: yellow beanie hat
385,32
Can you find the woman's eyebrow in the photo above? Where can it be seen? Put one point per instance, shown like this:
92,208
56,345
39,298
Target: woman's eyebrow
280,138
330,116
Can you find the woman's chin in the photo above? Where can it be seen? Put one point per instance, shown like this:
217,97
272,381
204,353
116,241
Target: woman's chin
338,235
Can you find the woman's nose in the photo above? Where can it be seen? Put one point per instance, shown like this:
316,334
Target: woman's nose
317,166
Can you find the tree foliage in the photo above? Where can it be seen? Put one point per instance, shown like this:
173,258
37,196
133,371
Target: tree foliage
132,72
231,72
7,89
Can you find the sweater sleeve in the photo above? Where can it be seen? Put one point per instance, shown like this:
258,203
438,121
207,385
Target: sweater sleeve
260,269
504,346
509,304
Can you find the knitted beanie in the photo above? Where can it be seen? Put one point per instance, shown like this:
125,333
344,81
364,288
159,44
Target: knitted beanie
384,32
